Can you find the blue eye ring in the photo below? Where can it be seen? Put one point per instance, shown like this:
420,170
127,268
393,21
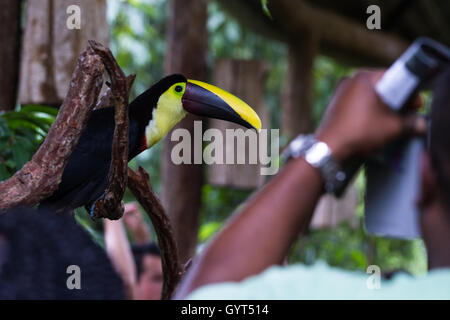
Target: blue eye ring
178,89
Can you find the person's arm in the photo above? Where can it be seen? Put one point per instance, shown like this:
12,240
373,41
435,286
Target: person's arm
119,252
135,224
263,232
356,123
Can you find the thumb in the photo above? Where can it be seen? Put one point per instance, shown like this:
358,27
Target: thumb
414,125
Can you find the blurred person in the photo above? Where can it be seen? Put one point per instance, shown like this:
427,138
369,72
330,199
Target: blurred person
119,251
149,284
135,224
139,265
356,123
36,250
147,257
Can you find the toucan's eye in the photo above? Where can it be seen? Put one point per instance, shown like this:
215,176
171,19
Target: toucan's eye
178,88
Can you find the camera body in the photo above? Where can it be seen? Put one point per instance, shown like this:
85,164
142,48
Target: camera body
393,179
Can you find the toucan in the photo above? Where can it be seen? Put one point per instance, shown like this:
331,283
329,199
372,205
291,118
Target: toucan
151,116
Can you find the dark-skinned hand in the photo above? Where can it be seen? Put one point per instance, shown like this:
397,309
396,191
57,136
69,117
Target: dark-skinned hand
358,123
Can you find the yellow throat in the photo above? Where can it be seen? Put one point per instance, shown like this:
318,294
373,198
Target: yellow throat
168,112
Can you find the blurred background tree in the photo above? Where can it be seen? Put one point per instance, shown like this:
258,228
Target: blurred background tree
138,40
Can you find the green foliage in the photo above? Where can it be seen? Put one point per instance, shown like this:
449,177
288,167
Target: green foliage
138,30
150,160
352,249
21,132
326,76
207,230
265,8
218,204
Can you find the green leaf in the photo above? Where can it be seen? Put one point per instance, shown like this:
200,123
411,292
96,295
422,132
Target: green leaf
4,174
266,8
359,258
207,230
10,164
20,154
16,119
39,109
4,128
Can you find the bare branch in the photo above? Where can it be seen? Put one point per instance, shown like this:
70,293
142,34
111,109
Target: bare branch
40,177
107,100
110,204
139,184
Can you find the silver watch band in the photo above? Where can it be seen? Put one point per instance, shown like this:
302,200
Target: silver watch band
318,155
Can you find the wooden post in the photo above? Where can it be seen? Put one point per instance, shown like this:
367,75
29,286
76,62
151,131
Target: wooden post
330,211
9,54
50,48
246,79
186,53
298,86
297,119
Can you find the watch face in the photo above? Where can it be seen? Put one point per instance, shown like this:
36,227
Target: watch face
317,153
297,146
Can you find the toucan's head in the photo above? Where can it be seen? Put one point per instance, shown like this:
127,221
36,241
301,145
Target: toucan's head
174,96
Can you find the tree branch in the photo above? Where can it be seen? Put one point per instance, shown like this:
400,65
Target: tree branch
110,204
40,177
139,184
107,100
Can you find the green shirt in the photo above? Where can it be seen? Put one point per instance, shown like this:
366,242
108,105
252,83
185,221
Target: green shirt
323,282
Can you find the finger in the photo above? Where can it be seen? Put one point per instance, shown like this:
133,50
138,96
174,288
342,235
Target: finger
372,75
131,206
414,124
376,75
341,82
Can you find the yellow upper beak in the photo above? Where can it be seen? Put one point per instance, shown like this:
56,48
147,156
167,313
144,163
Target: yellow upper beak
207,100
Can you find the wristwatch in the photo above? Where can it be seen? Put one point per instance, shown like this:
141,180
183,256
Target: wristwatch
318,155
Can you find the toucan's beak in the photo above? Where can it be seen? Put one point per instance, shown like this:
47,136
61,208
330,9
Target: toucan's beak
210,101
